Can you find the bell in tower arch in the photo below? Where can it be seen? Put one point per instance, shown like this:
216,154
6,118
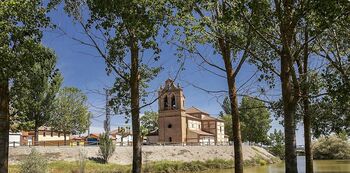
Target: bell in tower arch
173,102
165,102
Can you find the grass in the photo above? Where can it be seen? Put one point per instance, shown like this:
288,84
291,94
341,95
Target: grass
73,167
195,166
152,167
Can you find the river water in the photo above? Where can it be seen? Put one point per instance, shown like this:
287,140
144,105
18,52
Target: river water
320,166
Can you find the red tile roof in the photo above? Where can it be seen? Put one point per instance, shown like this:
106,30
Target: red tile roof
200,132
193,110
193,117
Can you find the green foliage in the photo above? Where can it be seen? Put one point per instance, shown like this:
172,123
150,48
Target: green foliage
73,167
24,59
255,119
332,147
195,166
277,144
228,125
21,22
129,29
203,22
154,167
34,163
129,26
107,147
330,115
149,122
71,113
332,110
34,92
256,161
226,105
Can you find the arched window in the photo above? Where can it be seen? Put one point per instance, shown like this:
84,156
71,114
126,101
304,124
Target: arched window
169,126
170,139
173,103
165,102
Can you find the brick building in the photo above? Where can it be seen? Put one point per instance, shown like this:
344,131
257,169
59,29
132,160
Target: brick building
46,137
180,125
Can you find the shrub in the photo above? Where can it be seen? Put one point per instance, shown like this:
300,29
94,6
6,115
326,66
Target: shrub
277,150
106,147
194,166
82,161
277,144
332,147
262,162
33,163
219,164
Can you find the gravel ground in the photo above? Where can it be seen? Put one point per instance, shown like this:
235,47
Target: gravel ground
123,155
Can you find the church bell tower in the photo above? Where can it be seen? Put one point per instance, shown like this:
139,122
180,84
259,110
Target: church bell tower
171,97
172,117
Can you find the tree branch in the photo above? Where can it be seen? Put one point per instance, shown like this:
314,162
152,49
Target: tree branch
201,56
103,55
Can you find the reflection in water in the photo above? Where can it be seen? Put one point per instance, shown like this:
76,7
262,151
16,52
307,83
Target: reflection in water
320,166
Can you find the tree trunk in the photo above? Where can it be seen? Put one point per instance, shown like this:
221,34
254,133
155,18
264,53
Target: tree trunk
236,128
307,138
290,93
135,110
36,131
289,108
307,118
121,140
4,125
237,141
65,138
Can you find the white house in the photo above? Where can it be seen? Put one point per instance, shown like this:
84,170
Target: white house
14,139
122,136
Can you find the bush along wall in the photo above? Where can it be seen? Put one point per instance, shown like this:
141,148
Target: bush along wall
332,147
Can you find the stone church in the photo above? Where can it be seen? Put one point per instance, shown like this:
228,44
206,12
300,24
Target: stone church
186,126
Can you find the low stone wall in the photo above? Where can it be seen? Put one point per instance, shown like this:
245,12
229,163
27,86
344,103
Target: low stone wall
123,155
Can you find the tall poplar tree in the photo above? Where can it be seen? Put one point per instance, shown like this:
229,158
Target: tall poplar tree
121,31
219,25
20,35
34,93
295,27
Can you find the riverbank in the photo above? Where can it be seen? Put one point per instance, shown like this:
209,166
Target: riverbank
320,166
154,167
330,166
123,155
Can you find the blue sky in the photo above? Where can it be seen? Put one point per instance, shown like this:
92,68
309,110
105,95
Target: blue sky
83,68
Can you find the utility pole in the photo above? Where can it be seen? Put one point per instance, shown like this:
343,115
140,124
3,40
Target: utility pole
90,117
107,124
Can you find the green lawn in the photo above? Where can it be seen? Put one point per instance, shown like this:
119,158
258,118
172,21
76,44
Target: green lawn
73,167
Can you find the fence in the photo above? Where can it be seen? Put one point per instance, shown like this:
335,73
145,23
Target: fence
70,143
14,144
